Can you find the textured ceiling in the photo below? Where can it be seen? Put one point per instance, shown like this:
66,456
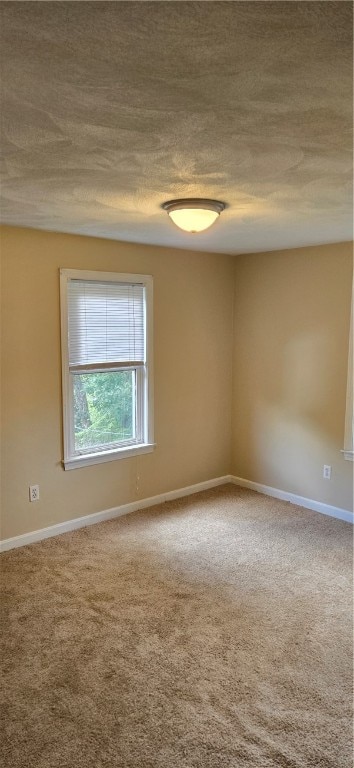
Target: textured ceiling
111,108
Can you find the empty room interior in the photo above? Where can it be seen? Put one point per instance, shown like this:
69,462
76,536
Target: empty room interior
176,384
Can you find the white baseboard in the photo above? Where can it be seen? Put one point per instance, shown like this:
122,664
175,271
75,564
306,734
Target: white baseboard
108,514
133,506
300,501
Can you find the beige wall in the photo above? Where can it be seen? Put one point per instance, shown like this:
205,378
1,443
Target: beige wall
292,314
193,307
289,355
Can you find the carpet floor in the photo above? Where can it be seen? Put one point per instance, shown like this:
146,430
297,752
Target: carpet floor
208,632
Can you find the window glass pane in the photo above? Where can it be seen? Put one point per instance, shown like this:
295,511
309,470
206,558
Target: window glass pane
104,409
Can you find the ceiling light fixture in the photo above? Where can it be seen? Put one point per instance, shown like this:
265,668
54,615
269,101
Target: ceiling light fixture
194,214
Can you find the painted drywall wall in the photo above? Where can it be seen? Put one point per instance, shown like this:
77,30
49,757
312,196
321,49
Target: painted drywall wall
289,348
193,309
291,335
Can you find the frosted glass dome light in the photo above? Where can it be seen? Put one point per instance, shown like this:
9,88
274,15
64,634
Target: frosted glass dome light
194,214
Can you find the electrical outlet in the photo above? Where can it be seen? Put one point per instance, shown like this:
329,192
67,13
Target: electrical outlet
34,492
327,471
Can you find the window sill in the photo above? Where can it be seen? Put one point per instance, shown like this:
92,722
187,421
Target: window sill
98,458
348,455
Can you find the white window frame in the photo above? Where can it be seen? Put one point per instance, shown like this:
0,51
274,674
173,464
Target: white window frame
71,459
348,451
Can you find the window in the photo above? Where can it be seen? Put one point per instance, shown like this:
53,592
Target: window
349,415
107,366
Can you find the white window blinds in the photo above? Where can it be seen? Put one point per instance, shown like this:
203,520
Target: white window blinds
105,324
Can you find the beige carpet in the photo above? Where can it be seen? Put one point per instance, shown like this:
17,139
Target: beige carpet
207,632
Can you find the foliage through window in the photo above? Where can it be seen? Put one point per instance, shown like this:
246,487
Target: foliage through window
104,407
